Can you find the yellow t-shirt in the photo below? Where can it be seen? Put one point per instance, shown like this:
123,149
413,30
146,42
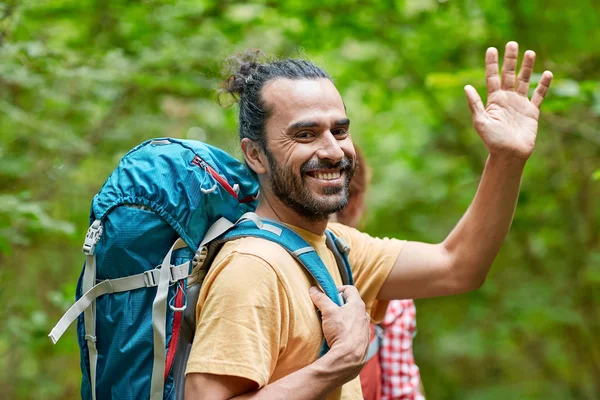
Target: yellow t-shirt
255,318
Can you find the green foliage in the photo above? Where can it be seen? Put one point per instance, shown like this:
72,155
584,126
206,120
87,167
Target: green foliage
83,81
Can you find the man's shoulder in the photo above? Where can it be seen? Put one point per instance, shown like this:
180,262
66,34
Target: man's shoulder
363,246
346,232
264,250
247,263
341,229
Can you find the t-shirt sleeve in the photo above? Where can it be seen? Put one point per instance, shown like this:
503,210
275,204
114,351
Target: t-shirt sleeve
371,260
242,320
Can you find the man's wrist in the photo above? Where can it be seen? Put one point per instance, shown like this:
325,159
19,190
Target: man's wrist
506,161
338,365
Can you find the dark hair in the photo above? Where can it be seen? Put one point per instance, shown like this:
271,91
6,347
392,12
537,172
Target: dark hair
249,73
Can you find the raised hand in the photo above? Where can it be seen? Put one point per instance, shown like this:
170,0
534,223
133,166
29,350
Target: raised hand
509,122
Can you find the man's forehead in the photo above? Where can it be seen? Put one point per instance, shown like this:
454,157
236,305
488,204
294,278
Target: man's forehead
292,96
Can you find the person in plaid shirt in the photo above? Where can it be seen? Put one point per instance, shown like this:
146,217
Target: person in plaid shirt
391,373
400,377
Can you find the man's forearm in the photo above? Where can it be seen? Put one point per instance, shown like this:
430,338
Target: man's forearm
475,241
314,381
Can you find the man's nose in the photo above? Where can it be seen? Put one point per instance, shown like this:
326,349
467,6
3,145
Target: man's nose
330,148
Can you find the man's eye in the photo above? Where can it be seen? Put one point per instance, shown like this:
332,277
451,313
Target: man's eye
340,132
304,135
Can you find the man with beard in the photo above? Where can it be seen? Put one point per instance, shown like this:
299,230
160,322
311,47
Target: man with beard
258,335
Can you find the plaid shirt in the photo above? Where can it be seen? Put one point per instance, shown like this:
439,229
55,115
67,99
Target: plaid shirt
399,373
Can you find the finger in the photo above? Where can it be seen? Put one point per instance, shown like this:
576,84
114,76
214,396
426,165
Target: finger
509,66
542,88
320,300
475,103
525,73
350,294
492,79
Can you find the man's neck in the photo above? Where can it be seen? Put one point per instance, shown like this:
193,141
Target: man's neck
273,208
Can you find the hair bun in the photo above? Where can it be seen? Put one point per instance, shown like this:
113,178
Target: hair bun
239,69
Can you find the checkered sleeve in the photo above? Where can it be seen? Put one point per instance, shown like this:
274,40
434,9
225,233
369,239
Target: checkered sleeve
400,374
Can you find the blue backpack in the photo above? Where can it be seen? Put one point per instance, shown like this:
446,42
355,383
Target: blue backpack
156,225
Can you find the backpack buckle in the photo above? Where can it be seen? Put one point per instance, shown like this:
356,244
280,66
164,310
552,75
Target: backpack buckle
342,245
200,257
178,272
92,237
149,280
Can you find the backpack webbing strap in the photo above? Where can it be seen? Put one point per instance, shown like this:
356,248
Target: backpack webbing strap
217,229
146,279
89,317
159,322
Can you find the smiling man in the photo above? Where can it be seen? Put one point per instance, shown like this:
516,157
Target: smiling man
258,335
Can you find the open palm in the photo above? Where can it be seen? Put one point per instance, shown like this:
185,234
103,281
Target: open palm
508,124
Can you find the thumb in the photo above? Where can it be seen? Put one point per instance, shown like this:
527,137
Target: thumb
320,299
475,103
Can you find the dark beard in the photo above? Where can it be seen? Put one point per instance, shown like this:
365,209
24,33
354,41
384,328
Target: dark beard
291,189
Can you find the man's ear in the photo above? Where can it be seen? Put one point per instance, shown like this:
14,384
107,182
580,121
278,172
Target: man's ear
254,156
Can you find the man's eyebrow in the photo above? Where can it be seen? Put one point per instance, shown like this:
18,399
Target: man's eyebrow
304,124
315,124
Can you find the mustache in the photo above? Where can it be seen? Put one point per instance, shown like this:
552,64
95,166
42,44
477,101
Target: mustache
344,164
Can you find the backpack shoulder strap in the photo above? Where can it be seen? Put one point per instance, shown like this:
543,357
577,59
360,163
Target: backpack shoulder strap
340,251
252,225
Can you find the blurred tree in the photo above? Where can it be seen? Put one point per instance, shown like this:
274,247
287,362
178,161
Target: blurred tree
81,82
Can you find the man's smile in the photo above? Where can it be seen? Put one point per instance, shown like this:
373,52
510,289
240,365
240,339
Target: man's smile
326,175
331,178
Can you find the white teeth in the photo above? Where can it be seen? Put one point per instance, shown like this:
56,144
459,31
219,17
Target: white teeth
328,176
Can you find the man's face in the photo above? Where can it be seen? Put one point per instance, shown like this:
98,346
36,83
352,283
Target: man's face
309,149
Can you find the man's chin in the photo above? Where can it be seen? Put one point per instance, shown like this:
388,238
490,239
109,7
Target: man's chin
330,207
317,208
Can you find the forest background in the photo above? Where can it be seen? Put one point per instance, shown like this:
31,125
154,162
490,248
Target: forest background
83,81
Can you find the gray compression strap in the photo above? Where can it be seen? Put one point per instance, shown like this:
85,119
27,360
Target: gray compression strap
146,279
159,319
303,250
338,258
376,344
373,349
217,229
89,317
250,216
